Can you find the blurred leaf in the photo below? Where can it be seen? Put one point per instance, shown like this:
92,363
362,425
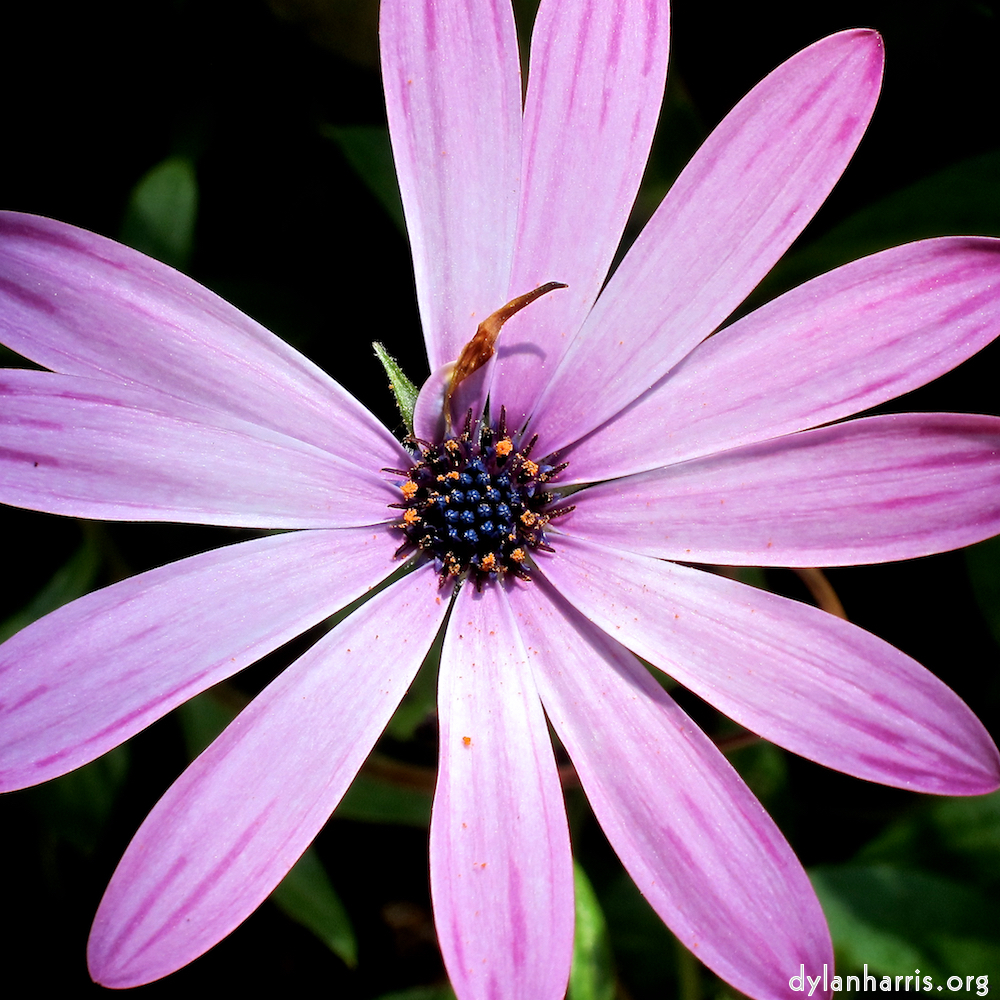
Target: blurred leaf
421,993
372,800
420,701
306,895
593,975
402,388
161,212
643,947
964,199
763,767
983,563
201,719
76,806
895,920
959,837
72,580
367,149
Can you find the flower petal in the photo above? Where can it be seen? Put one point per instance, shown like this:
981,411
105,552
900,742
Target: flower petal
93,448
841,343
812,683
694,839
453,96
501,869
84,305
231,826
738,205
870,490
594,94
95,672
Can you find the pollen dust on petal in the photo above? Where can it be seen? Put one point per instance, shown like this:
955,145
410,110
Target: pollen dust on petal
467,740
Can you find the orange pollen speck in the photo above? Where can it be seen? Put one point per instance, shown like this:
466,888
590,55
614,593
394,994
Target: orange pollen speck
411,517
451,446
488,563
467,740
529,518
409,488
505,447
517,555
530,467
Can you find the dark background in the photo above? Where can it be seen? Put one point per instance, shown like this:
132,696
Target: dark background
96,95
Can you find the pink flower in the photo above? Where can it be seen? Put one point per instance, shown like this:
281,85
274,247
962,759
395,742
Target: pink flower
165,403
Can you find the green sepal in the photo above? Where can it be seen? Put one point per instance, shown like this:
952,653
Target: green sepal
402,388
162,210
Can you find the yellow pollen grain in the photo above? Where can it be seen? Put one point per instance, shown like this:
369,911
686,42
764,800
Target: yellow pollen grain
505,447
488,563
517,555
451,445
411,517
529,518
409,488
530,467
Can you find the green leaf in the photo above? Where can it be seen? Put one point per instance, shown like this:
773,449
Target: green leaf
202,718
306,895
895,920
983,564
372,800
957,837
421,993
367,149
72,580
402,388
76,806
593,974
161,212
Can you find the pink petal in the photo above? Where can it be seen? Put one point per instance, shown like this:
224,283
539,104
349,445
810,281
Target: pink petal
93,448
501,870
232,825
812,683
866,491
90,675
736,208
594,94
697,843
83,305
841,343
453,96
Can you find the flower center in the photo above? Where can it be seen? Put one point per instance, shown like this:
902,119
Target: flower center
477,504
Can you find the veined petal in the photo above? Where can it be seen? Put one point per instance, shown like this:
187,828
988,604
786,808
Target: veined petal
228,830
693,837
869,490
93,448
594,94
453,97
501,870
738,205
81,304
843,342
95,672
812,683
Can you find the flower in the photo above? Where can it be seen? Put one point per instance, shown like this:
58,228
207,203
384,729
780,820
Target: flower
165,403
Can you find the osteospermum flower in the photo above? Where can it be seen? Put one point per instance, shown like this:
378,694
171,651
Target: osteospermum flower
165,403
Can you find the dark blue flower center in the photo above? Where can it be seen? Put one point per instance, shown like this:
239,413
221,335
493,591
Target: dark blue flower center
477,504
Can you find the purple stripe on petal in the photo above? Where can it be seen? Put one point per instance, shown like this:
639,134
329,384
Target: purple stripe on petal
83,305
453,97
93,673
736,208
594,94
812,683
697,843
232,825
841,343
865,491
501,871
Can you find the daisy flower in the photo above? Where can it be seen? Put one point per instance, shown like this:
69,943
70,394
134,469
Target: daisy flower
572,453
